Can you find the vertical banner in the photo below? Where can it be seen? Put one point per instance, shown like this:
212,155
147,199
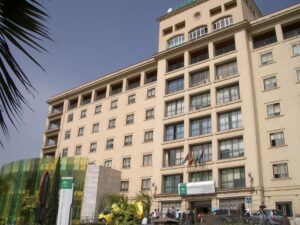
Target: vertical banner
65,201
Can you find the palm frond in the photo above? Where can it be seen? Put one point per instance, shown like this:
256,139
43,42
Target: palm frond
22,25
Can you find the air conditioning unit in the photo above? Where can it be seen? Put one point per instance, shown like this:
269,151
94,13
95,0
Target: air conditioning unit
205,81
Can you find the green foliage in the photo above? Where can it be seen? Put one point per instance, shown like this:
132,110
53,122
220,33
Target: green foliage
30,203
52,203
109,199
146,201
125,214
22,26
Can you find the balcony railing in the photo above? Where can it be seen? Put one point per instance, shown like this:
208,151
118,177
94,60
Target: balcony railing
225,49
264,42
291,33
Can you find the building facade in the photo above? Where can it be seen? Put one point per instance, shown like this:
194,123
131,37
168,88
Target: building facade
215,112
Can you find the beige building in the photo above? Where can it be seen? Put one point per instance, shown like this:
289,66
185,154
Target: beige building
216,110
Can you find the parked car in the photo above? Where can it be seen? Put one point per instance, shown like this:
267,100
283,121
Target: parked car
225,216
266,217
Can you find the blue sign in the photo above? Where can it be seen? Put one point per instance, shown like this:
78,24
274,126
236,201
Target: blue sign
248,200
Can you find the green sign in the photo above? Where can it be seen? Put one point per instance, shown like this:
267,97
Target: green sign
66,183
182,189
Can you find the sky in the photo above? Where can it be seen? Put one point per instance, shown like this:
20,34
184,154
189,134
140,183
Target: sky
91,39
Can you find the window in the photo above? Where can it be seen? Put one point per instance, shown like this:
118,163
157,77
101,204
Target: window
54,124
233,178
150,77
270,83
128,140
170,183
280,170
80,131
173,157
222,23
180,25
264,39
147,160
228,94
78,149
126,163
296,49
199,55
230,5
200,126
64,152
110,144
70,117
73,103
114,104
83,113
285,207
175,41
100,94
95,128
133,82
175,107
124,186
98,109
230,120
224,47
67,134
131,99
298,74
175,85
273,109
93,147
201,152
200,176
174,131
198,32
148,136
199,78
86,99
150,93
149,114
116,88
111,123
277,139
291,30
130,119
199,101
168,30
215,11
266,58
108,163
146,184
227,69
175,63
231,148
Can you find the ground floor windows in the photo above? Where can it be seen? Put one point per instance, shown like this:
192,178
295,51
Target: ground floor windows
169,205
231,203
285,207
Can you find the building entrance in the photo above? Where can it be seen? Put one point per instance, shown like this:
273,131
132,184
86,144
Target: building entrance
203,207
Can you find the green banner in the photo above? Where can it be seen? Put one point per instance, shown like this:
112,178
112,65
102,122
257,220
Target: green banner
66,183
182,189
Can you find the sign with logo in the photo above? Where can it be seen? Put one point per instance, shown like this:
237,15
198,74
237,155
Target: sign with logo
248,200
205,187
65,201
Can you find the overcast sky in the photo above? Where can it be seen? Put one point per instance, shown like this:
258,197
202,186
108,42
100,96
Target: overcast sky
92,38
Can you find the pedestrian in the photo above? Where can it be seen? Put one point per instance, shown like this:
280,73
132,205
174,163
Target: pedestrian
178,214
285,220
158,214
172,213
154,214
145,221
188,216
200,217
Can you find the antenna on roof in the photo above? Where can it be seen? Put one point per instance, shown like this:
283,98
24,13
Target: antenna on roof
169,10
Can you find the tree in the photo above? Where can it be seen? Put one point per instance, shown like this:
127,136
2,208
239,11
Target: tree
52,203
22,27
4,185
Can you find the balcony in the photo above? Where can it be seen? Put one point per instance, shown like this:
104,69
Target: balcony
116,88
264,39
100,94
199,56
174,64
224,47
57,109
291,30
134,83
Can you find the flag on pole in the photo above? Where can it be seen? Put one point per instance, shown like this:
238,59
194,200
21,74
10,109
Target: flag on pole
186,158
192,159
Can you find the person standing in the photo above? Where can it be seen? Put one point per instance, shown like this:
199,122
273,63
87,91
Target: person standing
188,216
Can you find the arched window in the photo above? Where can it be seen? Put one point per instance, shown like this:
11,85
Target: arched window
198,32
223,23
175,41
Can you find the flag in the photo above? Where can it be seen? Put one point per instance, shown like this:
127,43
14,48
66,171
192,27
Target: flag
192,159
201,156
186,158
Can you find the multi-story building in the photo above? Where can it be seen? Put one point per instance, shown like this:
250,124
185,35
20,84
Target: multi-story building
215,110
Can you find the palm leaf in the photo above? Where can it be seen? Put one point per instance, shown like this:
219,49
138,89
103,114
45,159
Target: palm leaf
22,25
